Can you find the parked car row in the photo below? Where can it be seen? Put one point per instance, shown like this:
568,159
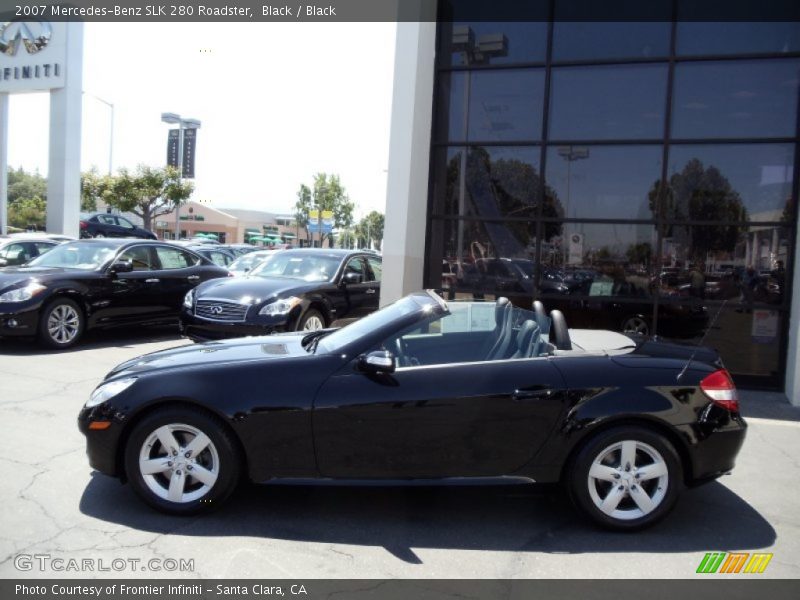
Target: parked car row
69,288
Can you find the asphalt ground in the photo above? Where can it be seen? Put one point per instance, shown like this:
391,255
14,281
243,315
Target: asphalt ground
52,504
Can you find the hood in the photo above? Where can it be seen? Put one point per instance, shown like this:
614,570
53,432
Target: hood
16,276
268,347
257,289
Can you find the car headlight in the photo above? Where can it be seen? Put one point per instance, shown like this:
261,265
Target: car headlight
188,299
279,307
107,391
23,293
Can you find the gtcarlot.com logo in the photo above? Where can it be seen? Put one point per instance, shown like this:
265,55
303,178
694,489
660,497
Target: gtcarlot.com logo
734,562
46,562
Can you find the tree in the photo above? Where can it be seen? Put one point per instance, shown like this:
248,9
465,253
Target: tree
327,194
701,193
148,193
370,229
27,212
93,188
25,186
639,254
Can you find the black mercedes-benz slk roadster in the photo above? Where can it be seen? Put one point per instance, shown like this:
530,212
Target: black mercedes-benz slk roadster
423,392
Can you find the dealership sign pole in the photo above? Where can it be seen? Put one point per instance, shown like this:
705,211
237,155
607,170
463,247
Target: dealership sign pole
40,56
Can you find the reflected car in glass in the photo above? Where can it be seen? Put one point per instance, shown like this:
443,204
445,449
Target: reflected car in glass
422,392
301,289
97,284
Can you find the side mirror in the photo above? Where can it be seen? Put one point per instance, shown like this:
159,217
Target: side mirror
379,361
351,278
121,266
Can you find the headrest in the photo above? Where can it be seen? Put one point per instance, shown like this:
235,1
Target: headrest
526,332
500,310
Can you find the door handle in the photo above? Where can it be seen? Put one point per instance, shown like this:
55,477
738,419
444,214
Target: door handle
152,280
519,395
193,277
370,291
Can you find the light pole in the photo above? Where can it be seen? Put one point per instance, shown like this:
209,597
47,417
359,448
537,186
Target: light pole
173,118
111,133
571,154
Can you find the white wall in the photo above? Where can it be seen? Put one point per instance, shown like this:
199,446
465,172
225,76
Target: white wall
409,154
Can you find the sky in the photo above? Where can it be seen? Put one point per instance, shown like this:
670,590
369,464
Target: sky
278,102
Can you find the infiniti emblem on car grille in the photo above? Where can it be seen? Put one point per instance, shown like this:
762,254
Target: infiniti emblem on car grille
216,310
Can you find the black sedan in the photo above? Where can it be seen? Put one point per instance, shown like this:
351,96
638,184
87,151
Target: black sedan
98,284
106,225
422,391
302,289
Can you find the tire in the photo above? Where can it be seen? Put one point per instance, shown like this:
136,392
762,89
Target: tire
99,235
616,498
151,470
312,320
635,324
61,324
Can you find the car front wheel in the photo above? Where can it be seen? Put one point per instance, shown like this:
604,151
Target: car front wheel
182,461
311,321
61,324
626,478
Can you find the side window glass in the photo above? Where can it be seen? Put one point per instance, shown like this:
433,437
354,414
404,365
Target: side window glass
43,247
174,258
15,254
124,223
219,258
107,220
377,268
140,257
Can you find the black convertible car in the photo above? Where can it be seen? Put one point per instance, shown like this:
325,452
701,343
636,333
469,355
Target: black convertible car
302,289
98,284
422,392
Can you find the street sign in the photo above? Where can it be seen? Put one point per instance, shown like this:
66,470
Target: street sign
172,148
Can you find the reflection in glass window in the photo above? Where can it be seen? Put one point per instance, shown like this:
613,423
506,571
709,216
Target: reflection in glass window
608,102
602,40
484,256
697,37
755,98
601,260
736,262
465,44
502,105
605,181
729,182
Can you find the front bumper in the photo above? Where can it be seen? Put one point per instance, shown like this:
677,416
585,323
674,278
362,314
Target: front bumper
18,319
102,445
203,330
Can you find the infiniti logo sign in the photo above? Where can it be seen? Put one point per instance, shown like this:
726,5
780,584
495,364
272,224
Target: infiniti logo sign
216,310
34,35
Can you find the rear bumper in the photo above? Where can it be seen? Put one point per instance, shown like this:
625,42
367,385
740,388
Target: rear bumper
714,451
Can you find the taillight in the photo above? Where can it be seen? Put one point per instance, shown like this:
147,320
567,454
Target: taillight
720,388
84,225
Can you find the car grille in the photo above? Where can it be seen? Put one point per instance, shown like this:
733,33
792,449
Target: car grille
218,310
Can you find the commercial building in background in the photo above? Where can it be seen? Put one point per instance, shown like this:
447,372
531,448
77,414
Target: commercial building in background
638,176
229,225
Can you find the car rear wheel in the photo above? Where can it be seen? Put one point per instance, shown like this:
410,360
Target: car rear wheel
636,324
61,324
626,478
182,461
99,235
311,321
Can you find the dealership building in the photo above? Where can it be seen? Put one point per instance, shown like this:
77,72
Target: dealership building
638,176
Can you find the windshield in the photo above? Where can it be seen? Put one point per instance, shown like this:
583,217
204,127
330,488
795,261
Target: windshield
348,334
291,265
76,255
248,261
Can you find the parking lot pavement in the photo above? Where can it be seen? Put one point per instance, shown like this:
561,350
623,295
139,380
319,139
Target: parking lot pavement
53,504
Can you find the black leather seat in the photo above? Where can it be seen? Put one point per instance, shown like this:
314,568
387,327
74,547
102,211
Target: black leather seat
501,308
528,340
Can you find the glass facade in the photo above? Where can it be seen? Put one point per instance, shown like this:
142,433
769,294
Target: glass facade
637,176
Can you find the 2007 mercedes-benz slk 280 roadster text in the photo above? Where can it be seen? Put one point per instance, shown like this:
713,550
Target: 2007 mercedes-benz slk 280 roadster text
423,391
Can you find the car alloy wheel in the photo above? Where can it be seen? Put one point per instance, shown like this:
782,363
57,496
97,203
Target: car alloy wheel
181,460
61,324
179,463
625,478
99,235
311,321
636,325
628,480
